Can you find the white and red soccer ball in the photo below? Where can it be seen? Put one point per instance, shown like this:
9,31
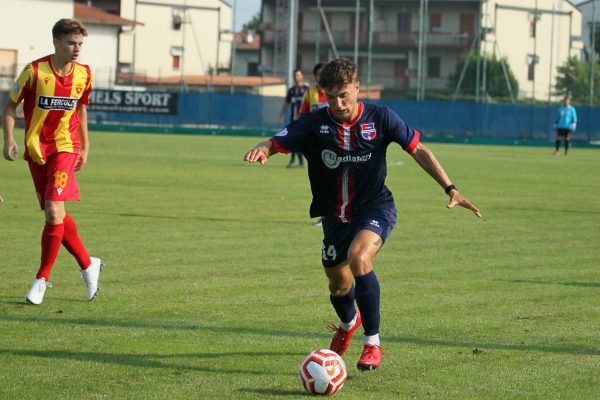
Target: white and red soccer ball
323,372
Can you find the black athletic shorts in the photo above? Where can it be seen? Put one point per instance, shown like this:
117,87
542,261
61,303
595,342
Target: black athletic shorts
562,132
338,236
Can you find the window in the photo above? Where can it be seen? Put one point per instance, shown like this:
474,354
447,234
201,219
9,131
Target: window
404,22
253,69
8,63
434,67
467,24
176,60
400,73
435,22
177,15
532,60
533,20
531,72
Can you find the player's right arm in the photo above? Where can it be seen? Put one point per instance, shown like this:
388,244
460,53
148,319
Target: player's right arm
9,115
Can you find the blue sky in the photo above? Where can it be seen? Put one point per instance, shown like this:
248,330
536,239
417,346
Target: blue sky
244,11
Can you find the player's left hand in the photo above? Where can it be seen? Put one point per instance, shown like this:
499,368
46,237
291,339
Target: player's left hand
457,199
82,160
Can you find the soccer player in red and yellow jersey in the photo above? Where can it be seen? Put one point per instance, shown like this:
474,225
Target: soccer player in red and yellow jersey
54,90
314,98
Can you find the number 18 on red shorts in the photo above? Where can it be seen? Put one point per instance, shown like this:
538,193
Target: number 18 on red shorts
55,180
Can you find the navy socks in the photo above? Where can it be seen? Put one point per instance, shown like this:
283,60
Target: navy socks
344,306
367,298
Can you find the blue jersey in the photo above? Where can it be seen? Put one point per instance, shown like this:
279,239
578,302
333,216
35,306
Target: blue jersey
566,117
294,98
347,162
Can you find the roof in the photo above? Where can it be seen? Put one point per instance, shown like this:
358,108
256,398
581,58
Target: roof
346,3
247,41
584,3
93,15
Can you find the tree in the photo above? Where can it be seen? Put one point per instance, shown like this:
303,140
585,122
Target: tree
495,85
253,25
596,50
574,79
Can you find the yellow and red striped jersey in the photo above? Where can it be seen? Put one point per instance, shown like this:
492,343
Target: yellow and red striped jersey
50,107
314,99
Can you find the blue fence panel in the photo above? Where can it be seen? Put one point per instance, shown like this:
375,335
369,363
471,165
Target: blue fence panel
432,117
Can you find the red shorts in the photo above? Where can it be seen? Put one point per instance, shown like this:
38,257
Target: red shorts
55,180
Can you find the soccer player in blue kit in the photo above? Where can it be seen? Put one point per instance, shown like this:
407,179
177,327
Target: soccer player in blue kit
345,145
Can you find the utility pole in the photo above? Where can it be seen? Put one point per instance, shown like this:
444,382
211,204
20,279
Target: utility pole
370,51
423,15
318,38
551,56
479,39
593,54
534,63
356,30
293,44
233,46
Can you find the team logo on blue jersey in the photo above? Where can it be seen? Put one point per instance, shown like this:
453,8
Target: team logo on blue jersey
324,129
282,132
332,160
367,131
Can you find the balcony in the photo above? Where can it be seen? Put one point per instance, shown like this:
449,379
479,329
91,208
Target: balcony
381,39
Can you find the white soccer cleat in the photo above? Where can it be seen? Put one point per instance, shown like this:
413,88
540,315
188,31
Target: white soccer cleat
91,276
37,291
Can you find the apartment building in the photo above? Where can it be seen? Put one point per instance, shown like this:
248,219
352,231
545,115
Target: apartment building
394,58
536,37
175,37
590,15
398,49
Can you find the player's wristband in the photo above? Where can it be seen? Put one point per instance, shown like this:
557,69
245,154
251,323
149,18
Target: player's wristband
449,188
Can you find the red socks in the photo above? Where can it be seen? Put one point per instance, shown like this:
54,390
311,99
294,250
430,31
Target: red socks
52,237
73,243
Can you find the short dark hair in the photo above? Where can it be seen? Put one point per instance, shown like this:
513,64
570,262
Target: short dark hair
317,67
338,73
65,27
297,70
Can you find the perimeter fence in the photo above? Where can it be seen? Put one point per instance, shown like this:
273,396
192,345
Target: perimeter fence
249,114
442,120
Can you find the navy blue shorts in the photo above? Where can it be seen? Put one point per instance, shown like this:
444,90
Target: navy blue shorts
337,236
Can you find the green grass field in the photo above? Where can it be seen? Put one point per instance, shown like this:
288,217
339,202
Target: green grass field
213,287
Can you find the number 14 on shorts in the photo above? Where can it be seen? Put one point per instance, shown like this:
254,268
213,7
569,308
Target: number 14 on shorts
329,253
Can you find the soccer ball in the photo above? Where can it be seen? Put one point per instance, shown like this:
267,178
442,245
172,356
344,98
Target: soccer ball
323,372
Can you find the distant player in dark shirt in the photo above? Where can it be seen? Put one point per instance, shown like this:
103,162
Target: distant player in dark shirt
293,100
345,145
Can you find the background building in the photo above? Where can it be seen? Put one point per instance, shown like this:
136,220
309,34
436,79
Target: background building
409,46
536,37
25,44
103,33
590,15
176,37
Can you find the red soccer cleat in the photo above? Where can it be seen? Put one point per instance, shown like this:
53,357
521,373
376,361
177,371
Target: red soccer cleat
370,357
341,339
